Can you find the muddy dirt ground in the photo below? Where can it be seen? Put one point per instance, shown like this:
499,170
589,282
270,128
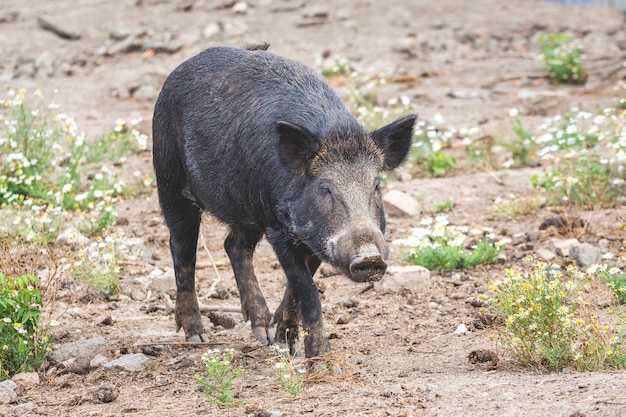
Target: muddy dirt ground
468,61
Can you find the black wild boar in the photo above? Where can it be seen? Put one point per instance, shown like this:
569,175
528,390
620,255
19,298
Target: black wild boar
263,144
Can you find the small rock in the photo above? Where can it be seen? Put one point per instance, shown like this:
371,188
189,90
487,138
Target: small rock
133,362
102,394
211,30
461,329
398,278
7,391
26,380
545,254
78,366
431,387
562,246
160,281
241,7
220,319
586,254
98,361
343,319
467,93
400,204
81,349
70,236
58,27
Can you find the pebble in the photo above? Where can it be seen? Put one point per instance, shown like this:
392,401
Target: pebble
400,204
80,349
133,362
461,329
562,246
26,380
585,254
399,278
545,254
58,27
7,391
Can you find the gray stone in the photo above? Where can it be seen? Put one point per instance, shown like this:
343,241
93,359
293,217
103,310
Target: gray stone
81,349
400,204
399,278
26,380
161,281
133,362
562,246
586,254
545,254
461,329
7,391
98,361
211,30
58,27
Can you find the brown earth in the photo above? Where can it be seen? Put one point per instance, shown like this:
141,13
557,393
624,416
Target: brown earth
399,353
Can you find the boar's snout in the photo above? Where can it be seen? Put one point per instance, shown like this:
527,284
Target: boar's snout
368,265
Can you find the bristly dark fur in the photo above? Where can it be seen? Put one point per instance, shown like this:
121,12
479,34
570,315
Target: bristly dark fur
258,47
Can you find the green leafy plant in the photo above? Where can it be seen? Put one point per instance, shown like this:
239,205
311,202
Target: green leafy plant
97,265
445,205
23,345
439,246
613,277
549,321
51,173
562,58
583,158
220,375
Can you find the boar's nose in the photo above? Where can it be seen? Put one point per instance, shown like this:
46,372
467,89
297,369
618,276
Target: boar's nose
368,265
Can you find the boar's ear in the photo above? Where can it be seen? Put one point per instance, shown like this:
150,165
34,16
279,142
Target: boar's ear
296,146
395,140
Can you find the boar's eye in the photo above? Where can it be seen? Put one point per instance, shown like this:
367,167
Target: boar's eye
326,190
377,185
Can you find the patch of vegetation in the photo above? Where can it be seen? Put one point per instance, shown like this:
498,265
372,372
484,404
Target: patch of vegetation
97,265
445,205
220,375
289,374
511,206
587,155
50,173
562,58
549,321
23,345
439,246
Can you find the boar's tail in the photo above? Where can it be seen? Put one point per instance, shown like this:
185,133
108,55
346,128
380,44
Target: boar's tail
258,47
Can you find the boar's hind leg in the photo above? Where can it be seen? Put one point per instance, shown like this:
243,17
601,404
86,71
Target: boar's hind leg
183,217
287,317
240,245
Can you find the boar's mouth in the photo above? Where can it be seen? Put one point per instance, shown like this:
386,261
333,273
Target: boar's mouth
367,266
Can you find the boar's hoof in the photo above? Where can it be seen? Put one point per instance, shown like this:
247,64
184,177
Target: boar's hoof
198,338
367,268
264,335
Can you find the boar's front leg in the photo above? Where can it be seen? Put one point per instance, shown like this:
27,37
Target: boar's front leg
239,246
301,294
287,316
183,219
